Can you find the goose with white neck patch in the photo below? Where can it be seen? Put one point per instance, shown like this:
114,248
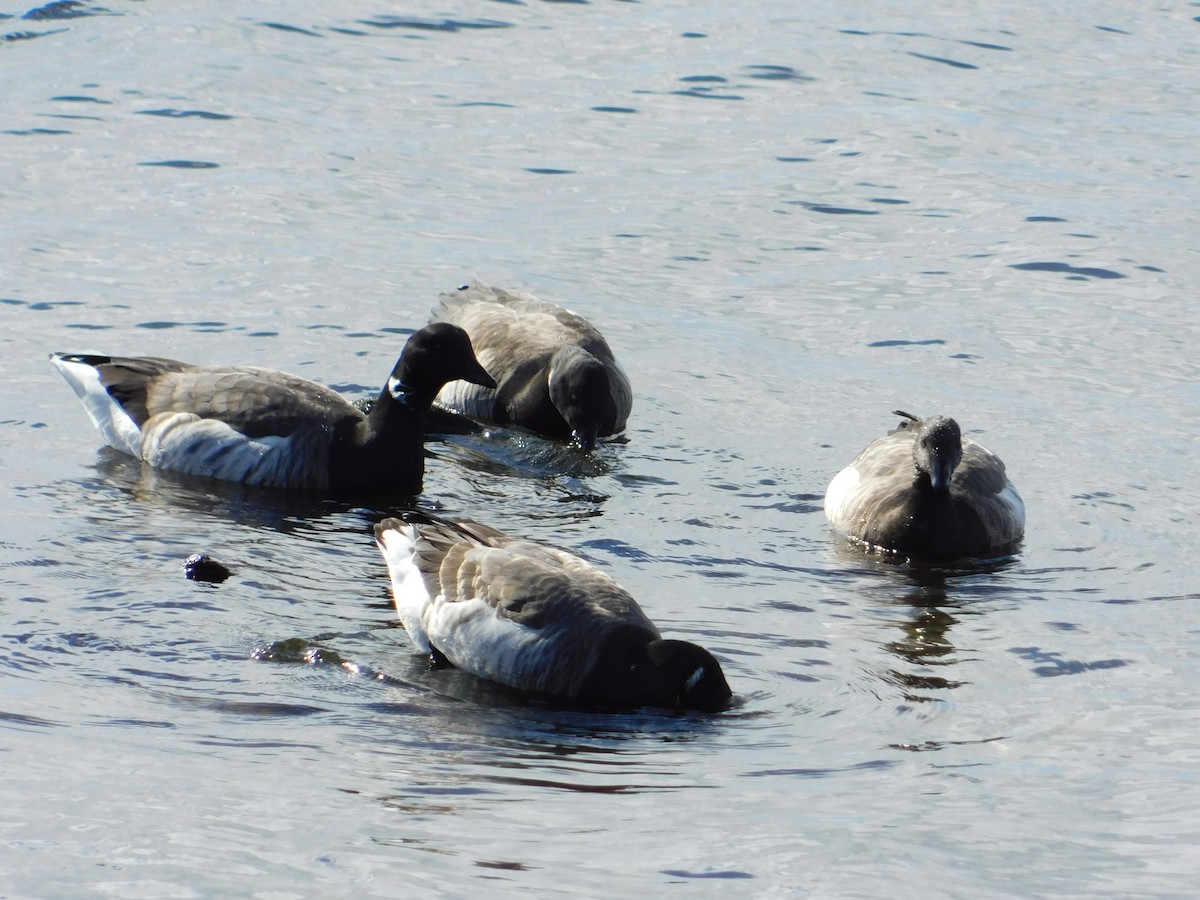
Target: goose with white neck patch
267,428
537,619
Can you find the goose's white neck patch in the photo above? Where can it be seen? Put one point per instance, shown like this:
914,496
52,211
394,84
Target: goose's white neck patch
693,680
397,388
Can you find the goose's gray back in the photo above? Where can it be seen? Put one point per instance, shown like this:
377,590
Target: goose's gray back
496,318
880,502
521,340
566,605
257,402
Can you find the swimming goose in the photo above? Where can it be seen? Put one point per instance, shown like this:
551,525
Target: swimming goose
267,428
926,492
536,618
555,374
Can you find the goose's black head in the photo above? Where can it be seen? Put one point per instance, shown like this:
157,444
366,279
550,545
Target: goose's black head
435,355
937,451
686,676
580,391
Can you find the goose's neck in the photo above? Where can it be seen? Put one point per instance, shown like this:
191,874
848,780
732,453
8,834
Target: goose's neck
397,409
382,451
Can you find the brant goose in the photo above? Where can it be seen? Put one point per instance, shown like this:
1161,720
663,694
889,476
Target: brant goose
537,619
555,374
270,429
927,493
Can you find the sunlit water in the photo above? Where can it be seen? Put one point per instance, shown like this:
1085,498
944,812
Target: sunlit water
789,219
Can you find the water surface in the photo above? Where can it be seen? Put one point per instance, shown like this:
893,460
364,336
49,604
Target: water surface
788,221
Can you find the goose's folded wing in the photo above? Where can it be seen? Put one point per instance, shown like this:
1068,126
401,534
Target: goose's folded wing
526,615
981,473
255,402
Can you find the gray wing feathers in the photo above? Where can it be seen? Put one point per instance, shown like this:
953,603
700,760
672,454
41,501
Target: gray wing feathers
531,583
515,337
480,303
864,502
498,319
980,472
257,402
981,475
519,612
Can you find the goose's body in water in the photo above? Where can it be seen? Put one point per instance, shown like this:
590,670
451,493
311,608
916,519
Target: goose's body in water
925,492
267,428
537,618
555,374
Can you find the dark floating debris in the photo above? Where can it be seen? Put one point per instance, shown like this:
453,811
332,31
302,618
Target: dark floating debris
202,567
309,652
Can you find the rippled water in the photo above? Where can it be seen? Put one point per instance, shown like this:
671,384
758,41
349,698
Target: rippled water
789,220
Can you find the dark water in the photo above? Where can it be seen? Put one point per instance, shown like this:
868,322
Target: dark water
789,220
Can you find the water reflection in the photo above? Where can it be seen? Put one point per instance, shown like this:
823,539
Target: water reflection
505,452
488,460
925,642
935,598
281,511
467,732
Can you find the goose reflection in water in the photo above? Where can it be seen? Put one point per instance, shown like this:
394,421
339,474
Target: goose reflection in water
925,642
937,597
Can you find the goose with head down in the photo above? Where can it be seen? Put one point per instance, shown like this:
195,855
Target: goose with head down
925,492
555,374
537,619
